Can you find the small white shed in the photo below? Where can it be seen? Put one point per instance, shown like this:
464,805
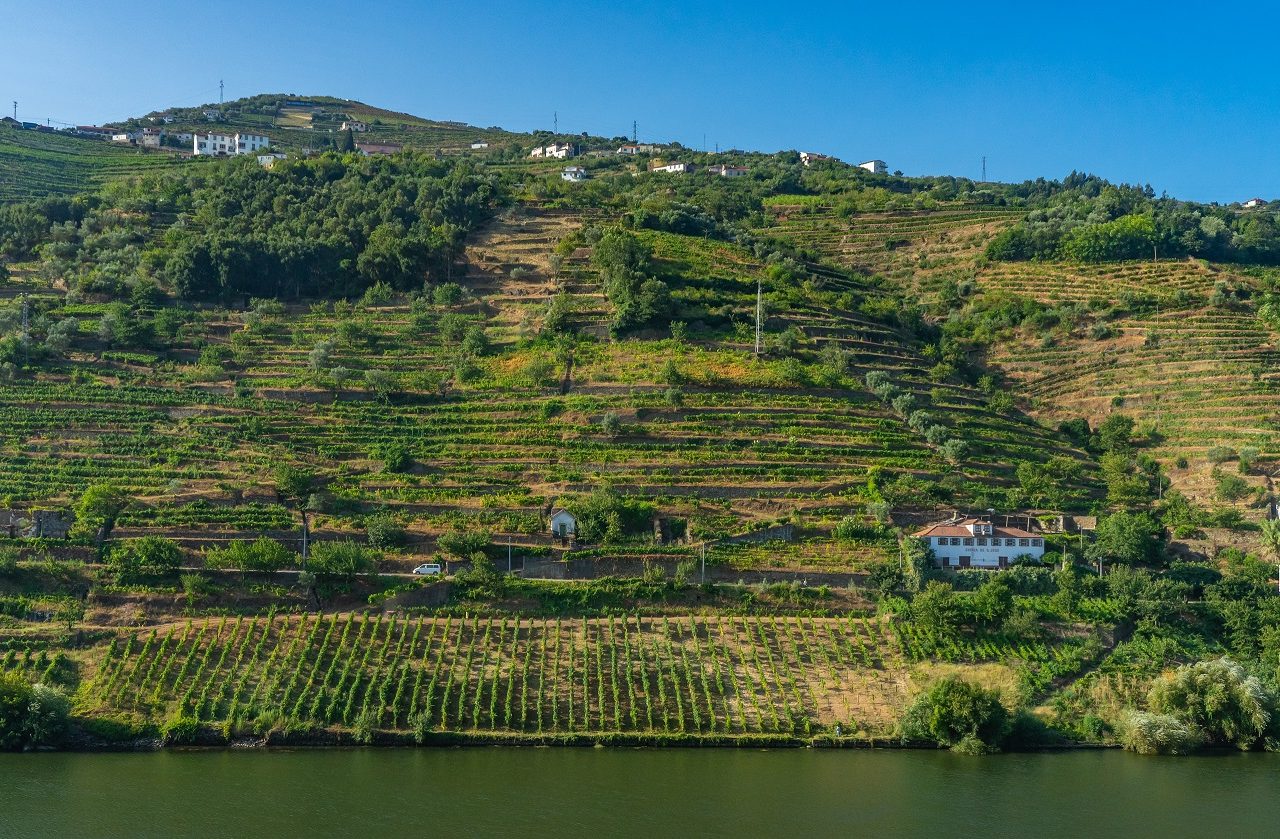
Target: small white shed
563,524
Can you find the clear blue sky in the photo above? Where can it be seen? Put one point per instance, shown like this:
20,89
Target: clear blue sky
1179,99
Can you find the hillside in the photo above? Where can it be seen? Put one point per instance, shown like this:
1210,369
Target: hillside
35,164
764,383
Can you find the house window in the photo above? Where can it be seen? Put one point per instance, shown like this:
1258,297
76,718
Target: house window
955,540
1011,542
1024,542
982,541
1035,543
968,541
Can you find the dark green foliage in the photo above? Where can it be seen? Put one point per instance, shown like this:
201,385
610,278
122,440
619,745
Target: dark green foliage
384,532
605,516
30,715
263,554
463,543
637,297
957,714
1127,538
148,556
342,560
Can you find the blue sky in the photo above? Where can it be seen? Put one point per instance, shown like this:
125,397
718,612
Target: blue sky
1156,94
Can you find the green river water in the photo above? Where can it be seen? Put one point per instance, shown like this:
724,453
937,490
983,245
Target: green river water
636,793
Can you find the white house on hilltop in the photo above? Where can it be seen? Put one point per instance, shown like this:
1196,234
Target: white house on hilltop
674,168
556,150
574,173
726,170
977,543
354,126
228,144
875,167
809,157
1254,202
563,524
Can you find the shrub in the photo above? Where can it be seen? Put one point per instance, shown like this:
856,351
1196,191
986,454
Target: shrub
1158,734
30,715
343,559
180,731
462,543
957,714
9,556
1219,454
150,556
384,532
262,554
935,608
395,457
1217,698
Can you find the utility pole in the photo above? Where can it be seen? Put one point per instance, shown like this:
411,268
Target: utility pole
219,91
633,131
15,110
704,563
555,122
508,553
984,168
759,315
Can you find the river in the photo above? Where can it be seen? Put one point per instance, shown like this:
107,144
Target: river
635,793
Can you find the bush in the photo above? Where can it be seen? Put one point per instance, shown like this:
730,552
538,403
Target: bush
936,609
461,543
343,559
1158,734
957,714
180,731
149,556
384,532
263,554
1217,698
394,456
30,715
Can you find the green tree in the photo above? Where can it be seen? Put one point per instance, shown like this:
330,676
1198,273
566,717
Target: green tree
343,559
347,142
99,507
1128,538
463,543
936,609
149,556
993,601
957,714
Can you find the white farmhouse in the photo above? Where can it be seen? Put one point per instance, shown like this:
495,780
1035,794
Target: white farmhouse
125,136
555,150
810,157
725,170
1254,202
227,144
479,144
638,148
977,543
354,126
269,159
674,168
574,174
563,524
875,167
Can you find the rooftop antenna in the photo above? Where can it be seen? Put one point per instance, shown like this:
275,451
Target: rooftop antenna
759,314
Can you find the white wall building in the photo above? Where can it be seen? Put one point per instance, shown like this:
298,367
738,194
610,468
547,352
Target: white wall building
574,173
641,148
556,150
268,160
354,126
479,144
674,168
125,137
228,144
875,167
809,157
563,524
727,171
977,543
1254,202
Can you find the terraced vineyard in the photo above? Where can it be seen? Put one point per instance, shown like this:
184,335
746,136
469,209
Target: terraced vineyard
1203,377
35,163
493,445
688,675
916,248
